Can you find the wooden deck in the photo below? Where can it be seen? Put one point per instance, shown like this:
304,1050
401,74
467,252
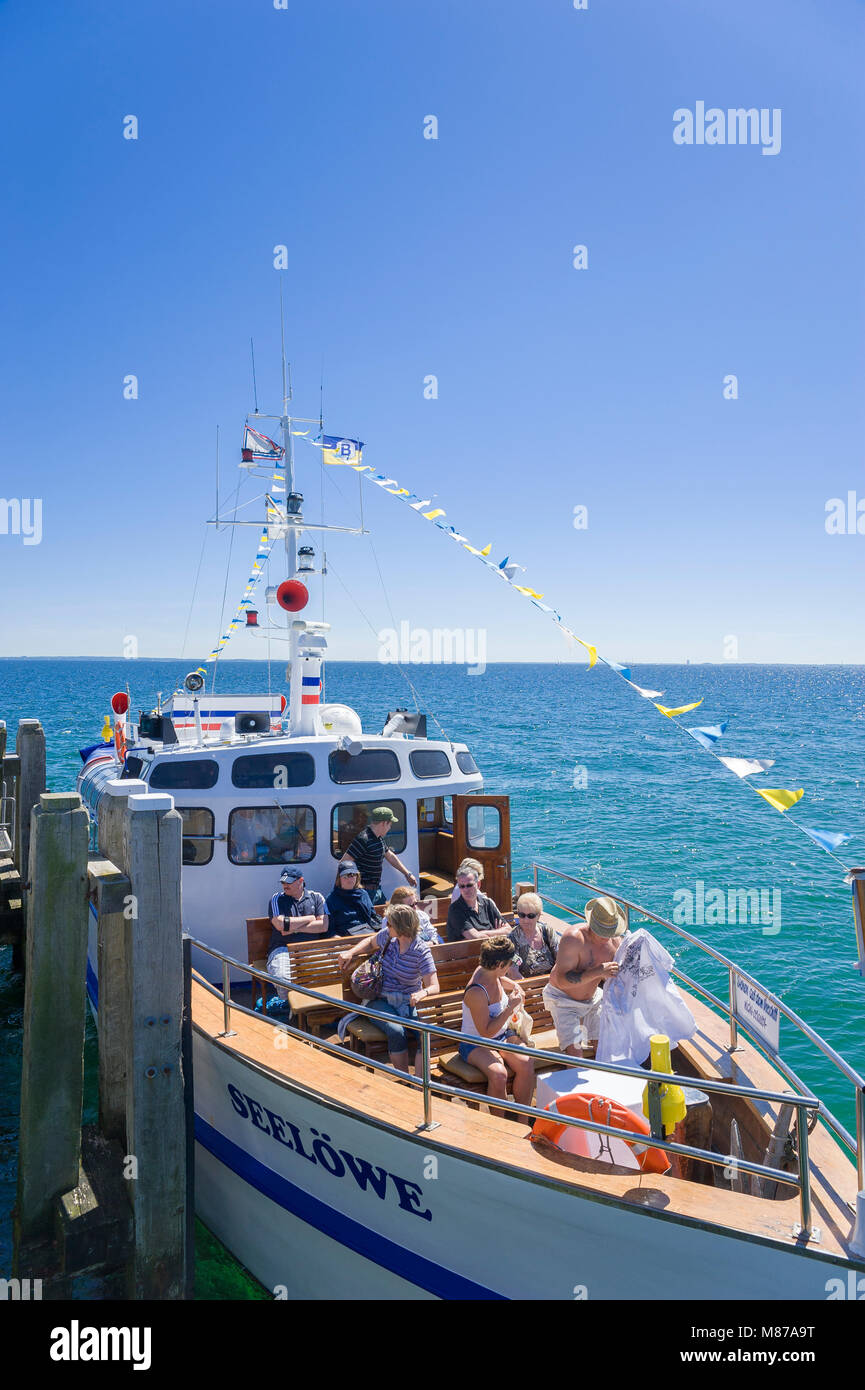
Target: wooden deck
502,1143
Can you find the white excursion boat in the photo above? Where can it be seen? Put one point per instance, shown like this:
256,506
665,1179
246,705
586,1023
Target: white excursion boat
328,1174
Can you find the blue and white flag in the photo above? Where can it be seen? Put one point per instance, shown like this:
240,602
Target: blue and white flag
709,734
827,839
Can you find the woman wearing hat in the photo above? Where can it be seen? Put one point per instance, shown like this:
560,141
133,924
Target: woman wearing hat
349,907
584,961
368,851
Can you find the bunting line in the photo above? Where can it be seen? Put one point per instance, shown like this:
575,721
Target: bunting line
781,799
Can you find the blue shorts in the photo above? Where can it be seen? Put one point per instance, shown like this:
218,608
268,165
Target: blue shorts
466,1048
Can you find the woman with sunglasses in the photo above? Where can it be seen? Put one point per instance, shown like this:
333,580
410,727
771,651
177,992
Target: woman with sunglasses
349,907
535,941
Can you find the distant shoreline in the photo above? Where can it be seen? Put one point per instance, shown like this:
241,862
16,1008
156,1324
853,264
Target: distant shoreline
262,661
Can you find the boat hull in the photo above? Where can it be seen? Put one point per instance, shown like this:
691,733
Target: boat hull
321,1202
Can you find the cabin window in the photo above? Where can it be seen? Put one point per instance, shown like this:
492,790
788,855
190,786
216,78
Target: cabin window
483,827
271,834
430,762
466,763
370,765
185,774
273,770
197,834
132,767
349,818
448,810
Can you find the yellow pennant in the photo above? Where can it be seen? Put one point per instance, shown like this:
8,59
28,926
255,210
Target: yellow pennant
593,651
486,550
431,516
530,593
673,713
781,799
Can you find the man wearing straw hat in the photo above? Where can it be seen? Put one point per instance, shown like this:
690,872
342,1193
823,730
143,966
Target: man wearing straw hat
584,960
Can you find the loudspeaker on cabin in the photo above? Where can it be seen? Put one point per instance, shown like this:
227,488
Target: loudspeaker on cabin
252,722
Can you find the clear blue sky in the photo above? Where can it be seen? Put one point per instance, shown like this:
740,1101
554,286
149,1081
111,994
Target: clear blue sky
409,256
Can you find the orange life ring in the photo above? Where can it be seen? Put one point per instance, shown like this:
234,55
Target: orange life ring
119,740
609,1112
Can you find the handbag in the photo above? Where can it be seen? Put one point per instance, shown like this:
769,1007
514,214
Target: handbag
368,977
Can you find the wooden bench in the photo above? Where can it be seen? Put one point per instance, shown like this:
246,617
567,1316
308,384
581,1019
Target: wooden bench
313,964
455,963
435,884
452,1069
444,1010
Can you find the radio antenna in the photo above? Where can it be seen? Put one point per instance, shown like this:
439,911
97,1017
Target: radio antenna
254,387
286,387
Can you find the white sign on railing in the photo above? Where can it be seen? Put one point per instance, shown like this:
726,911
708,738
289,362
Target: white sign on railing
752,1008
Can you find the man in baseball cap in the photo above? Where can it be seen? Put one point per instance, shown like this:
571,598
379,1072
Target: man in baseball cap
296,914
584,961
368,851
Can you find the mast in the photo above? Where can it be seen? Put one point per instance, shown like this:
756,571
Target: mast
307,643
306,639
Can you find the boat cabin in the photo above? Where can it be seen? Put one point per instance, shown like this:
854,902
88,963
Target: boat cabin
254,802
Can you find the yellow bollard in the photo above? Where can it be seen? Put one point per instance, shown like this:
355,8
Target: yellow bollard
673,1107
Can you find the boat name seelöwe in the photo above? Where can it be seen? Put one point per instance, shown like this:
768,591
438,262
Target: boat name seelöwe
316,1148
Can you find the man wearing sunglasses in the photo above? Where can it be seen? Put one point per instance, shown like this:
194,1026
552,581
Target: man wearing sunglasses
473,914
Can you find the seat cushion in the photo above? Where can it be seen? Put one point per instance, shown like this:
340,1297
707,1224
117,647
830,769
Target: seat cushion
302,1004
453,1064
365,1031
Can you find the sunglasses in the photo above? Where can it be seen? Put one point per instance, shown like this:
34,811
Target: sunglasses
527,914
349,873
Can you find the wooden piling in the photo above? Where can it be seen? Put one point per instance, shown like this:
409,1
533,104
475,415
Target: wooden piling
52,1078
155,1112
114,966
30,747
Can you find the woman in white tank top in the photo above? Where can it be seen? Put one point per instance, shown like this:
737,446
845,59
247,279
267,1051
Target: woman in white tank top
489,1004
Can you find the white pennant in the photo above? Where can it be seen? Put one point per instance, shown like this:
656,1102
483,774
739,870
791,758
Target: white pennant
746,767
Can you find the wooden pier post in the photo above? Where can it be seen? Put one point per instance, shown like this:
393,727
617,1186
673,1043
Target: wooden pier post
114,967
52,1078
30,747
155,1112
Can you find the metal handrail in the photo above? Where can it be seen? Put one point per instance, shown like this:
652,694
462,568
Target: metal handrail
857,1146
802,1104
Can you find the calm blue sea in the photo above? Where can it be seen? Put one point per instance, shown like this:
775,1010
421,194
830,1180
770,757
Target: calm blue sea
601,786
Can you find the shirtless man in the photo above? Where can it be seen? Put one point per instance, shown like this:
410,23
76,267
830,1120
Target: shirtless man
585,958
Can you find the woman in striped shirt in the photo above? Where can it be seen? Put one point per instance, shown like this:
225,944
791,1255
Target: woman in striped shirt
408,975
